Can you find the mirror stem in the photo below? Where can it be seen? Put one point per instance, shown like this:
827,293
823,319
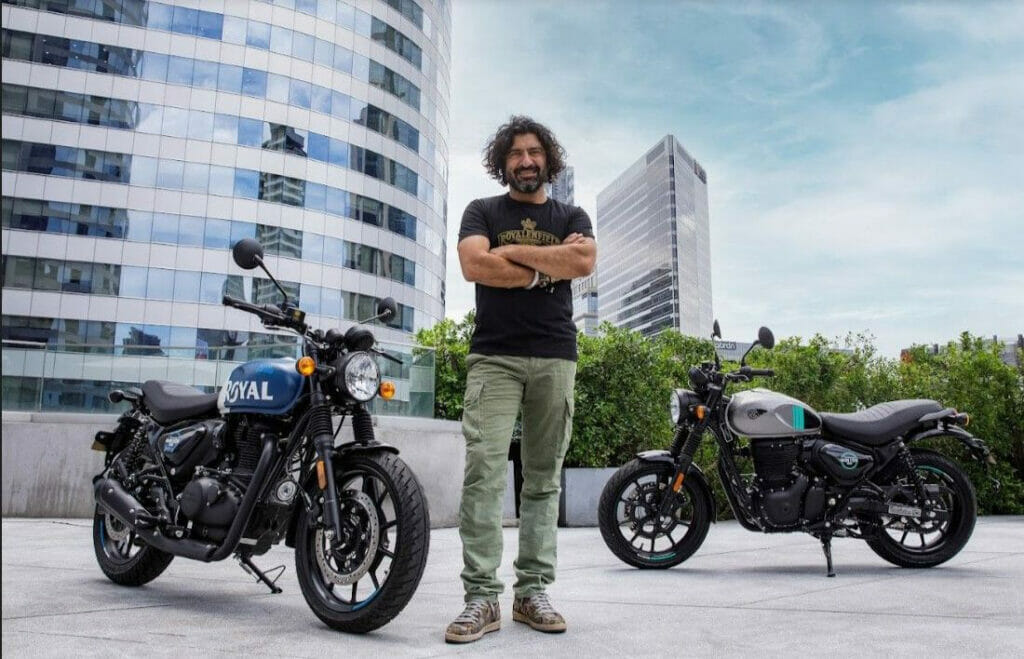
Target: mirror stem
384,315
743,359
276,283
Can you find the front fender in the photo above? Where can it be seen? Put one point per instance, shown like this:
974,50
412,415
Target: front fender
338,456
694,473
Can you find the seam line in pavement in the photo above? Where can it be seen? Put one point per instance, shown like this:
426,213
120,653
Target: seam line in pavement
743,607
112,639
889,577
75,613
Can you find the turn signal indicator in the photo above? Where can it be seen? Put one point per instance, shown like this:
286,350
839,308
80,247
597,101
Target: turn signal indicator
306,366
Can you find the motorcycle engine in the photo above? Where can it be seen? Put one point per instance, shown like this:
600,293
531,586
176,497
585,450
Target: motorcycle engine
212,498
781,485
211,502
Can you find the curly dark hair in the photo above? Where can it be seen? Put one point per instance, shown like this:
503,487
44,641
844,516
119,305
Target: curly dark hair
498,147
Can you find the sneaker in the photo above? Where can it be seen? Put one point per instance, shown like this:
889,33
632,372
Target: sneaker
536,611
479,617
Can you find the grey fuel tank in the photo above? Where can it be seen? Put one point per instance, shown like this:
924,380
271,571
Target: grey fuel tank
764,413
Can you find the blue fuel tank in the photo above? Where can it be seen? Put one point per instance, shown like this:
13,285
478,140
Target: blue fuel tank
262,386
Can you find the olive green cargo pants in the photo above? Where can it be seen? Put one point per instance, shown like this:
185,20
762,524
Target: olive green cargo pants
496,388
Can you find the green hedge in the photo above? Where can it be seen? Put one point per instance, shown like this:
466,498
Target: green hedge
624,380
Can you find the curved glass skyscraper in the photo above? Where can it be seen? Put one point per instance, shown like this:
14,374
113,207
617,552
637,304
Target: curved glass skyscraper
142,139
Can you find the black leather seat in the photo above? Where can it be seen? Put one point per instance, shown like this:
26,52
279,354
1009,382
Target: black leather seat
880,423
169,401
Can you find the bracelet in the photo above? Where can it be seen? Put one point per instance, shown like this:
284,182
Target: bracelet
536,278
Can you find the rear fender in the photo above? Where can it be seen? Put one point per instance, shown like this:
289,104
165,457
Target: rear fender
340,454
694,474
977,447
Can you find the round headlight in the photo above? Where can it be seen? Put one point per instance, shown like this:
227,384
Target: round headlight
674,408
361,376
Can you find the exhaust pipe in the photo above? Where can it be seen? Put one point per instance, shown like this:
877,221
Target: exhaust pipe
118,502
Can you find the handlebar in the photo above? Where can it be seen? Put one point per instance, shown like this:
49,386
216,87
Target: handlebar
745,373
268,313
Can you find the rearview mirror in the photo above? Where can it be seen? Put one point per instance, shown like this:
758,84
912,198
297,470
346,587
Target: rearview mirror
387,309
716,331
766,338
248,253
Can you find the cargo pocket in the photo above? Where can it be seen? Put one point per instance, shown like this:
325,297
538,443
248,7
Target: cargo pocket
570,406
472,418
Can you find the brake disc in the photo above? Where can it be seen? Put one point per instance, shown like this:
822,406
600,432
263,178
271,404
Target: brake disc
351,560
642,510
115,528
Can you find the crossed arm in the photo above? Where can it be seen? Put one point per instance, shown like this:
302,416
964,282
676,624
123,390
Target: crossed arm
513,266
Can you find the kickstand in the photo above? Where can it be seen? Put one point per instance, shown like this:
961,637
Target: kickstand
826,546
260,575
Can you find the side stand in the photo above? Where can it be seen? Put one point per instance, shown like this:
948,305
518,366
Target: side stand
826,546
251,568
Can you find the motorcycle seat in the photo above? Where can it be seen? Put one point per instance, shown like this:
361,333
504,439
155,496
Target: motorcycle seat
169,401
879,424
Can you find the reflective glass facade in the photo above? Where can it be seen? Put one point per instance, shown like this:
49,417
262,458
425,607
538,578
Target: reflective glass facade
655,265
141,140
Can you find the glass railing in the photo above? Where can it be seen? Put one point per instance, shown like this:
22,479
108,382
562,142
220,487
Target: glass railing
76,378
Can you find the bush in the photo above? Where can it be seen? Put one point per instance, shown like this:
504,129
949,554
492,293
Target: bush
623,382
450,341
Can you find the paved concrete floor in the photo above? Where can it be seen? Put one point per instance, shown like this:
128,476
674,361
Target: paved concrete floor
742,594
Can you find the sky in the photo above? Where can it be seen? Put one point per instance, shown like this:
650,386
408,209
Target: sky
865,160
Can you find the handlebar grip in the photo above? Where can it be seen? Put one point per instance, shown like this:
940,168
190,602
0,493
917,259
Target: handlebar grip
231,301
766,372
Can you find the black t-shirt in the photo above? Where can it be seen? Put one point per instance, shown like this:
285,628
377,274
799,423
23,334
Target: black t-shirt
516,321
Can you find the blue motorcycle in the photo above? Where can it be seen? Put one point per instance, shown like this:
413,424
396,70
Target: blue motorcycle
208,476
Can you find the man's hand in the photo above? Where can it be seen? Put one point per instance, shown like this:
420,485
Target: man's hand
481,265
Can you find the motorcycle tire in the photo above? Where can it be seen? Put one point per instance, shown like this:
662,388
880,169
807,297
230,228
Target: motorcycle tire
616,499
388,523
122,556
951,536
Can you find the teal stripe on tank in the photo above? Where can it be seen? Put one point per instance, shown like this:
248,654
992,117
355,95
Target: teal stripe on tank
798,417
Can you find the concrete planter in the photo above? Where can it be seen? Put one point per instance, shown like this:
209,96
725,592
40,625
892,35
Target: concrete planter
581,491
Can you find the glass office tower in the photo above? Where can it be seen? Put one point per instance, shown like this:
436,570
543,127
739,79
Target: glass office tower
563,188
142,139
654,270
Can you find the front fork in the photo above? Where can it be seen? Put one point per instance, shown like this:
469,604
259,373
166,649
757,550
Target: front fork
321,429
683,448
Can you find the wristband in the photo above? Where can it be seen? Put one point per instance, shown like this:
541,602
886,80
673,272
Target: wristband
536,278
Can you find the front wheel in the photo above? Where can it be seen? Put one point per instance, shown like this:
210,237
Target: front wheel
913,542
631,523
368,578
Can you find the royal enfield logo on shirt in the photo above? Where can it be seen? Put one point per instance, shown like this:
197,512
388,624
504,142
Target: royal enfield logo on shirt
528,235
247,390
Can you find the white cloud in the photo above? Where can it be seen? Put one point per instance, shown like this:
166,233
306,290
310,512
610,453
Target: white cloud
986,22
899,214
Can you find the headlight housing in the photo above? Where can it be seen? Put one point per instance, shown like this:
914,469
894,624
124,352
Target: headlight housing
358,376
679,406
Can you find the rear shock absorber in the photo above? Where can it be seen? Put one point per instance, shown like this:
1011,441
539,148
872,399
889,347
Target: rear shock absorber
915,478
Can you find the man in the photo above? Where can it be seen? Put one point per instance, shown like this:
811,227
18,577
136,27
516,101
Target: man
521,249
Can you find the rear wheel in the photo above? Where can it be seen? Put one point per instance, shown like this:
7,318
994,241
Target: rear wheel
924,542
368,579
121,553
631,523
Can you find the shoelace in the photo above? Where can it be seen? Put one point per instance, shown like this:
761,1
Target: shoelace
541,603
473,611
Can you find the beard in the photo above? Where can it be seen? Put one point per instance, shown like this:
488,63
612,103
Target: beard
526,185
